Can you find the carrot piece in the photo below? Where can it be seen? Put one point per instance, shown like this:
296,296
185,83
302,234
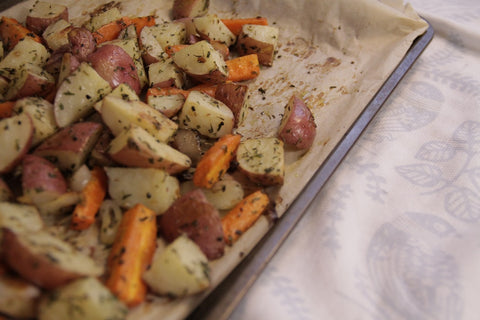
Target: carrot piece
139,22
170,50
12,31
243,68
111,31
131,254
6,109
244,215
215,162
235,25
92,196
108,32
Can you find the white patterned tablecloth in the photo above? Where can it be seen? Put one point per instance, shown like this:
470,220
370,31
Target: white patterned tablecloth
395,233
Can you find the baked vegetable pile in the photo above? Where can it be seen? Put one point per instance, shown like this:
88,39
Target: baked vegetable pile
122,173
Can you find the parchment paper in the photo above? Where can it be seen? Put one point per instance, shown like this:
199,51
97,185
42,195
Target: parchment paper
336,54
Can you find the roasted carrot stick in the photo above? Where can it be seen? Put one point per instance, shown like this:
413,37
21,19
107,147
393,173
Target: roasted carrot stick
243,215
243,68
111,31
235,25
131,254
92,196
215,162
12,31
6,109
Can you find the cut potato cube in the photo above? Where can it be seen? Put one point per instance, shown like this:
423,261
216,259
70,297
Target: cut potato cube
154,188
181,269
16,134
88,296
165,73
152,50
26,51
78,93
118,115
202,62
168,105
56,35
170,33
41,113
259,39
44,14
103,15
211,27
262,160
123,91
135,147
189,8
210,117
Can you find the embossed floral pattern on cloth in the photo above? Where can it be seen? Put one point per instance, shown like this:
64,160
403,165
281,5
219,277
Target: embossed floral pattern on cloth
395,233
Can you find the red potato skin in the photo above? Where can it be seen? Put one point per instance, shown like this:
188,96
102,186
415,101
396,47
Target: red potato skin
194,216
82,43
185,8
39,24
233,96
299,129
35,85
116,66
40,174
33,267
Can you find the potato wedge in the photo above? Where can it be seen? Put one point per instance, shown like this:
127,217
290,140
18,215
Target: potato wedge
135,147
44,259
118,115
189,8
208,116
88,296
26,51
30,80
16,135
123,91
18,297
68,64
56,35
202,62
116,66
132,47
194,216
298,126
259,39
20,218
69,147
235,96
154,188
78,93
42,181
41,113
179,270
262,160
210,27
44,14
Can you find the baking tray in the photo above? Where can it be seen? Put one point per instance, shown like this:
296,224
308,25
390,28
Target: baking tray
225,298
221,302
